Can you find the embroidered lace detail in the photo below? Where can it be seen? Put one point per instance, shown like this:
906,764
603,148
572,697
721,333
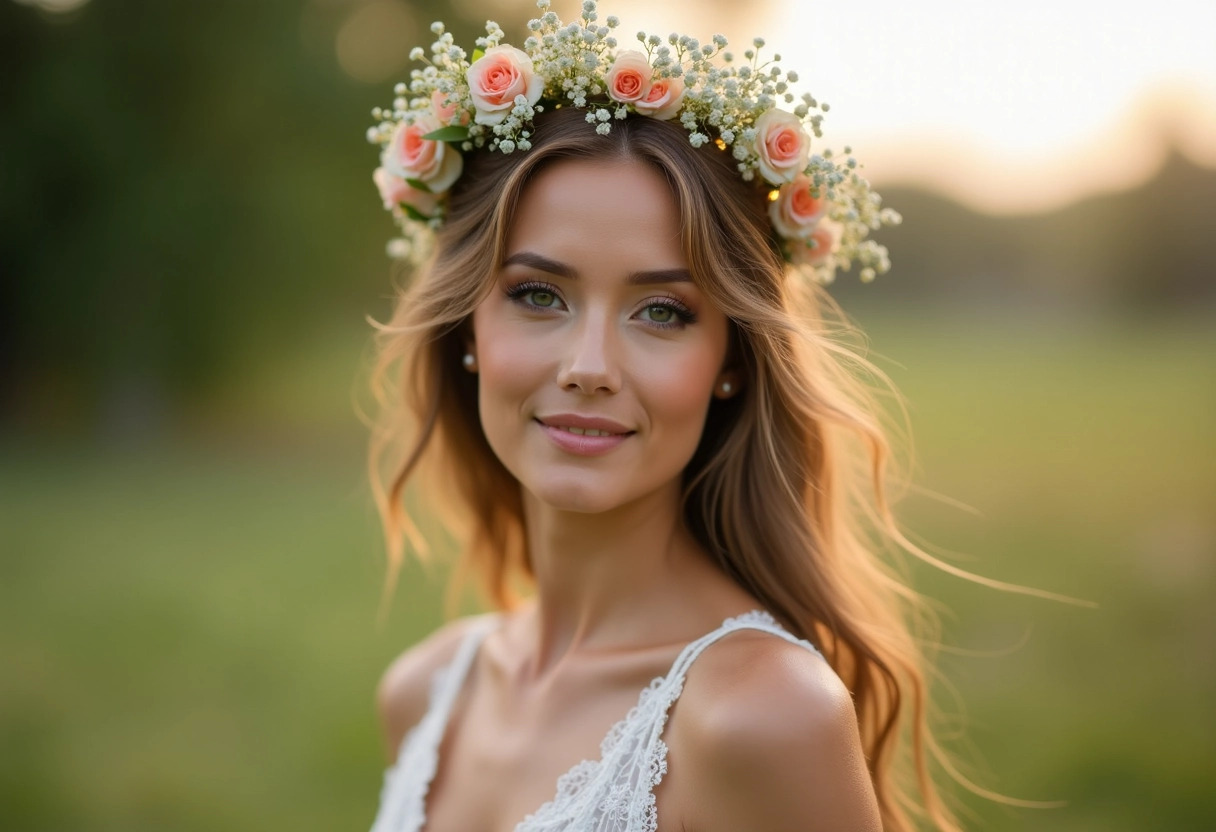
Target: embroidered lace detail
612,794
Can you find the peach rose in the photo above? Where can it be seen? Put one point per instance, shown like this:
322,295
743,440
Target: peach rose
497,77
446,113
782,145
409,156
395,191
795,213
664,99
815,249
629,78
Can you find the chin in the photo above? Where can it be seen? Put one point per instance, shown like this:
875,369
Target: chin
580,497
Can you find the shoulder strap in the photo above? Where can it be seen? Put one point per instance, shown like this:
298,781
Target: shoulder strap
754,620
403,796
639,750
449,680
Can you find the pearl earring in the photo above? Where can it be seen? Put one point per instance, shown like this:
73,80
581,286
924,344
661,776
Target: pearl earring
726,388
469,360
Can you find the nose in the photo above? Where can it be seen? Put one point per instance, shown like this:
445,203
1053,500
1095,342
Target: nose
591,363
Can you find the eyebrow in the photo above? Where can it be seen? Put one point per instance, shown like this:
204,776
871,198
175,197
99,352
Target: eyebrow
544,264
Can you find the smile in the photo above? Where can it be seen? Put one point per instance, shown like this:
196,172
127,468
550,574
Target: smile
584,440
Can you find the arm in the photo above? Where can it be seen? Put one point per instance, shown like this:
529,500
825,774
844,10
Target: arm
403,694
768,740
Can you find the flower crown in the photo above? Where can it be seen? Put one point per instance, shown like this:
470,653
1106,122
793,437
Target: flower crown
822,210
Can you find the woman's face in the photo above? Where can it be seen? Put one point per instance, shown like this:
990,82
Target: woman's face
593,324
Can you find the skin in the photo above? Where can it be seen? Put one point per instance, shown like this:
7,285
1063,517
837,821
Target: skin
764,736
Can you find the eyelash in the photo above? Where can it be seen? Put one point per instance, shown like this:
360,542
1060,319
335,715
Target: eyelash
683,314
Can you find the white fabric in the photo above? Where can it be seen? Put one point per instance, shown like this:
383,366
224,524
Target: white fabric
612,794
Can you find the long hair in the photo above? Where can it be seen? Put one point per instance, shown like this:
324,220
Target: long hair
786,490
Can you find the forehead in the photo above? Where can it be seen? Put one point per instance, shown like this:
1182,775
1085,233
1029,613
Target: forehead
609,213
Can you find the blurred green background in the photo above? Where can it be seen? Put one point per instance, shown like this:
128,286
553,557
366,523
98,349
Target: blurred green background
189,559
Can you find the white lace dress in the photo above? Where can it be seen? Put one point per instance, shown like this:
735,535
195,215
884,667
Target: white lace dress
612,794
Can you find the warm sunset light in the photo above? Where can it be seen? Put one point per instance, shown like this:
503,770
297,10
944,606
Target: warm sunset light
1009,107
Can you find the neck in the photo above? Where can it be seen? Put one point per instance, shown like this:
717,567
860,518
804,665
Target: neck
610,578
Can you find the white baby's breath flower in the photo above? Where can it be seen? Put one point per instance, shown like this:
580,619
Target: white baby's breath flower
398,248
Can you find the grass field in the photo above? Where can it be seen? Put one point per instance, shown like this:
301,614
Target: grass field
188,624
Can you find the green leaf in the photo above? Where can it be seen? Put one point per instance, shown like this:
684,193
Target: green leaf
448,134
418,185
414,214
478,54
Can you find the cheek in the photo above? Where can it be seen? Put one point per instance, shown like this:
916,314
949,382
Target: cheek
511,367
676,393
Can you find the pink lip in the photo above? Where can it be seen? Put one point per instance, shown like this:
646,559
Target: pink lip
583,445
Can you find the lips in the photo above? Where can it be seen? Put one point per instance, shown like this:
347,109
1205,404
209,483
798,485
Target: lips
584,435
584,425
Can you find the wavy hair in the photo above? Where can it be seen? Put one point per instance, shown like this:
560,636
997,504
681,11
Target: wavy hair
787,488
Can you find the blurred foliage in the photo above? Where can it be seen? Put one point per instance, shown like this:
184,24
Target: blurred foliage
190,241
183,186
1148,250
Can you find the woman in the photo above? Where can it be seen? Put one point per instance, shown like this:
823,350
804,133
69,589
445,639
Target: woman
630,410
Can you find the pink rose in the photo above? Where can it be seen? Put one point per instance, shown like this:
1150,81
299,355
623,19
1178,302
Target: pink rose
446,113
664,99
409,156
815,249
795,213
629,78
395,191
782,145
497,77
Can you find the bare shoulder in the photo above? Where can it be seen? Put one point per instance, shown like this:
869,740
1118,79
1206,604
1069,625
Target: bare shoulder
404,691
766,737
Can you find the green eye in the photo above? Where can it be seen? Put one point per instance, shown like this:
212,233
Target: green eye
542,298
661,314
